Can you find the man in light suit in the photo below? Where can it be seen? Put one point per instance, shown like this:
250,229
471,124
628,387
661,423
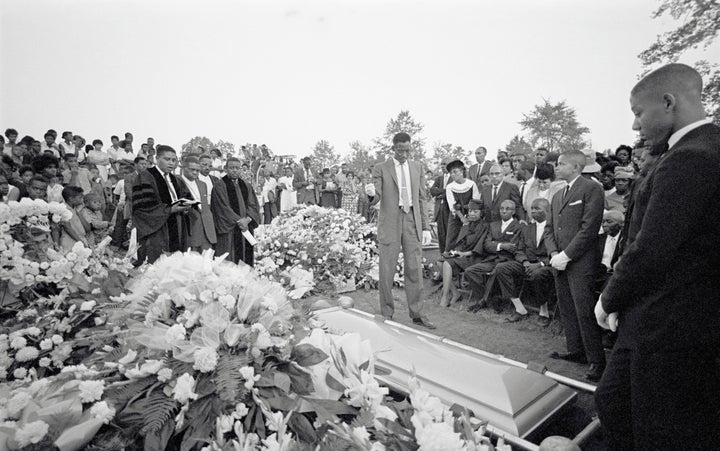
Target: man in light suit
402,224
304,183
571,236
492,196
201,227
482,167
661,389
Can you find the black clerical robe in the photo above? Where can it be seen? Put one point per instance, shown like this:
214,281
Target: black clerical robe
233,200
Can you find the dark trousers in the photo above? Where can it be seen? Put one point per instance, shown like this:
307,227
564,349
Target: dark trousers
477,276
576,300
661,400
441,218
540,285
508,276
453,230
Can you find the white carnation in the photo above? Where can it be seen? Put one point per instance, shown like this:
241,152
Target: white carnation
175,334
20,373
18,342
102,411
46,344
205,359
31,433
164,374
91,390
44,362
17,403
26,354
87,306
57,339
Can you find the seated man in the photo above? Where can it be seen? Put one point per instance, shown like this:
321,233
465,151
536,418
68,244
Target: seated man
464,252
500,245
608,249
532,254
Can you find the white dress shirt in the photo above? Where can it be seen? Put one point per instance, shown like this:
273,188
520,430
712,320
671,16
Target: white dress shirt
209,185
194,190
405,167
610,245
675,137
539,232
503,227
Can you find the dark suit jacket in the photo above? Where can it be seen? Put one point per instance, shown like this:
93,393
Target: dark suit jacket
665,287
304,195
473,173
471,237
496,236
200,220
574,222
528,249
601,250
388,192
438,192
491,208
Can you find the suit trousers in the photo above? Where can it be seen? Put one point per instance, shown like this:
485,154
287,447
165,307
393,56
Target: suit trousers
477,276
412,253
441,219
540,285
576,300
668,399
508,276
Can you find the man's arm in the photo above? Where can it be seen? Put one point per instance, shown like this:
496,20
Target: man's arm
422,199
517,199
377,181
437,188
549,234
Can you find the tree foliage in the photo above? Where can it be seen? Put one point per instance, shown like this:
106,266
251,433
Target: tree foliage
404,122
360,157
700,26
227,148
518,144
441,151
555,127
324,155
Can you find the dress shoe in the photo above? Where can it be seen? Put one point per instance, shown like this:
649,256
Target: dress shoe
477,307
595,372
576,357
543,321
515,317
424,322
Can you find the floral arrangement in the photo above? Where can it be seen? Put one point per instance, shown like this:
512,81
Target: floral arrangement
429,270
339,247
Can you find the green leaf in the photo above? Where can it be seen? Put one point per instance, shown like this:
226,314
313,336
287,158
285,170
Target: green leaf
307,355
305,431
157,440
282,381
334,383
300,381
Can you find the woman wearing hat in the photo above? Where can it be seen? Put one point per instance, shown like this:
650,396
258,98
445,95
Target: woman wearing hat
458,194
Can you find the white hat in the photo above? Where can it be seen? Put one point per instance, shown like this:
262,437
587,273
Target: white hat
591,166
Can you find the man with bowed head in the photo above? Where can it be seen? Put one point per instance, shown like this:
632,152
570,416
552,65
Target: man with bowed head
402,224
661,389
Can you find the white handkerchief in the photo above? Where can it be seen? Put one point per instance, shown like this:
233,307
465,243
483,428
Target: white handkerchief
577,202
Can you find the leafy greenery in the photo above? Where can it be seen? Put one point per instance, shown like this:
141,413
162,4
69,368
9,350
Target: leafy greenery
555,127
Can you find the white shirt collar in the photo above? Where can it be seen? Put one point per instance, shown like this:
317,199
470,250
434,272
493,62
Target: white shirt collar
505,224
571,182
675,137
397,163
188,181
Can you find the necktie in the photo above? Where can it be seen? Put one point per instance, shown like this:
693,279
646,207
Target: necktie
171,188
479,169
567,188
522,191
403,190
494,193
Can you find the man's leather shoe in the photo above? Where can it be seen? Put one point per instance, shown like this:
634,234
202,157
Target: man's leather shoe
423,322
477,306
543,321
515,317
569,356
595,372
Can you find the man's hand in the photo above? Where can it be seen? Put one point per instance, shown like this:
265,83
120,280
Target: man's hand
605,320
179,208
510,247
426,237
530,268
243,223
560,261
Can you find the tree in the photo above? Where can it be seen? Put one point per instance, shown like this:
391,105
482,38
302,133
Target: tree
518,145
193,145
324,155
360,157
402,123
441,151
226,148
700,26
554,127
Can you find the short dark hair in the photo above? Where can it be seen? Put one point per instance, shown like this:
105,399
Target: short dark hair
114,137
545,171
527,166
43,179
191,159
24,169
138,160
48,133
163,149
552,156
43,162
401,137
97,141
65,133
70,155
626,148
10,131
232,159
503,160
204,157
71,191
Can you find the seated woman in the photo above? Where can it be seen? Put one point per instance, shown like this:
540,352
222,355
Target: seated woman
458,193
464,252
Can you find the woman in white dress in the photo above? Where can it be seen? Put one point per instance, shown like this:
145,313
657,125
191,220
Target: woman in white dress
288,195
99,158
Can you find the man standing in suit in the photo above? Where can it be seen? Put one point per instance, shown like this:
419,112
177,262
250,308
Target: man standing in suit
497,192
304,183
661,389
157,220
533,256
201,227
500,245
442,210
571,238
482,167
400,189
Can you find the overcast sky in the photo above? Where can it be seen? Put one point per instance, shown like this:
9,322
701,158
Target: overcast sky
288,74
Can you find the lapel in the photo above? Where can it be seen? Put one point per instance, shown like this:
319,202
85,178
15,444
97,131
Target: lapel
203,193
499,191
390,166
414,179
573,189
